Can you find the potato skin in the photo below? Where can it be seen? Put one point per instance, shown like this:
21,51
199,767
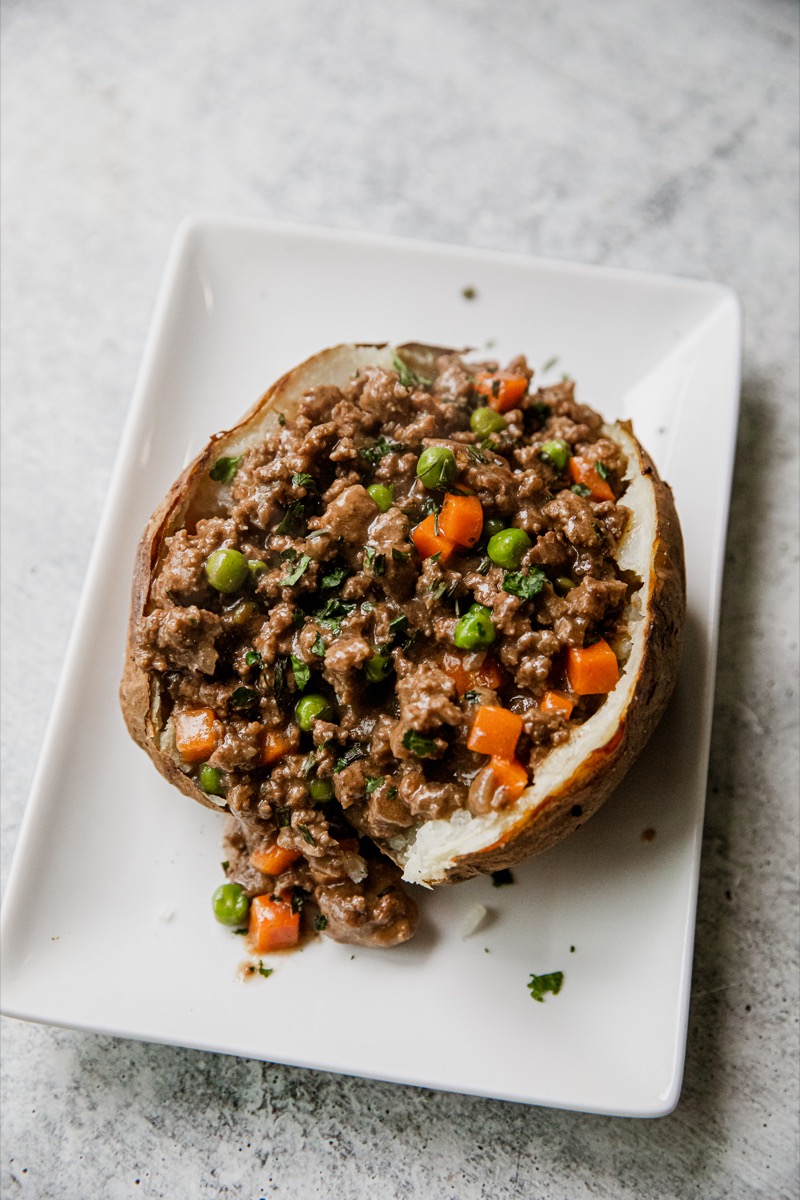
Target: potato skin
601,773
596,777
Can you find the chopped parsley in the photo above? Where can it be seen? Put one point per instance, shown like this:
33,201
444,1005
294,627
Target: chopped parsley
525,586
400,555
475,454
320,922
224,469
307,835
422,747
374,782
318,646
243,697
253,658
296,571
484,566
551,362
293,519
472,697
225,866
502,878
288,555
602,469
374,561
379,449
298,899
539,984
407,376
469,293
333,578
301,672
332,612
265,971
350,755
304,480
283,817
398,625
580,489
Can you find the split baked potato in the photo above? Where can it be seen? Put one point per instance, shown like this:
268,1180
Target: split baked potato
433,553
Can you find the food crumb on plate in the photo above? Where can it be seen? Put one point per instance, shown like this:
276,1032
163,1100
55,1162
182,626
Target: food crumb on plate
473,919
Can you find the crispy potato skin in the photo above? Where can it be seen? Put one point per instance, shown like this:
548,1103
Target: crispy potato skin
595,779
137,686
598,776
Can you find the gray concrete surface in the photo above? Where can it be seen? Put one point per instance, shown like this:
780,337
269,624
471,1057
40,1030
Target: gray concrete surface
660,136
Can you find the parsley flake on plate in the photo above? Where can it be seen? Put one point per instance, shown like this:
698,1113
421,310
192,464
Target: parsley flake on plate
539,984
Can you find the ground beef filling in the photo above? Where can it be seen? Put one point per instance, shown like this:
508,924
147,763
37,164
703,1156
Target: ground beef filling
343,607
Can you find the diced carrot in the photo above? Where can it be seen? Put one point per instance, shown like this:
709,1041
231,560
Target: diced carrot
502,390
584,470
593,670
273,859
196,733
510,775
466,676
276,743
429,542
495,731
461,519
273,925
557,704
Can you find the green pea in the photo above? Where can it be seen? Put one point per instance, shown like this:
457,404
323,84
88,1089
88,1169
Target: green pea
210,779
556,452
485,421
564,583
226,570
508,547
475,629
320,790
378,668
231,904
256,567
382,495
310,709
436,467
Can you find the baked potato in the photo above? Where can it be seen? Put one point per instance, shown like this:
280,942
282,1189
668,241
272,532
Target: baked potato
412,600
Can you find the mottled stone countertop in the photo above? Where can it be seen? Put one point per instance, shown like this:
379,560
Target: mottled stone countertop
636,133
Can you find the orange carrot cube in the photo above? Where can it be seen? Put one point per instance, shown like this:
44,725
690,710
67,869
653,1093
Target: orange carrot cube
592,670
495,731
273,925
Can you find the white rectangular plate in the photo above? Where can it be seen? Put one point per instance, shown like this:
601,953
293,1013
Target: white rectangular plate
107,923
